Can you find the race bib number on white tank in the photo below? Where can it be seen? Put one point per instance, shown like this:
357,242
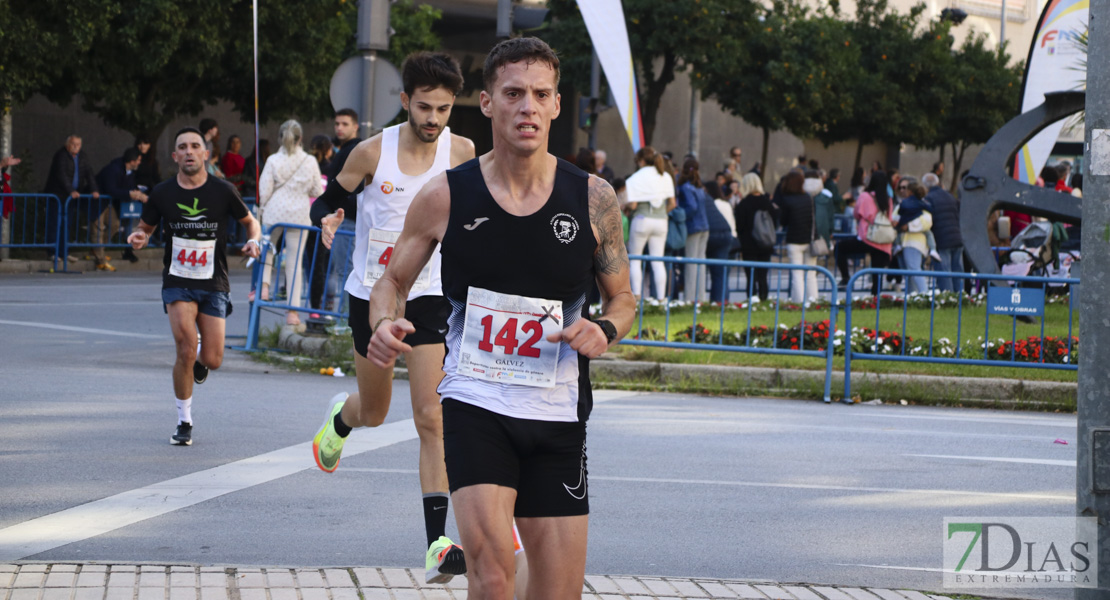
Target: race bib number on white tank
193,259
379,249
505,338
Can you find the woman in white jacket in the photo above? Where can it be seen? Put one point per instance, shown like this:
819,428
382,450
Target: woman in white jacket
289,180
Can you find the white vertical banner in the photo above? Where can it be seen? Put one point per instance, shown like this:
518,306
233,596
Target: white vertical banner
605,23
1055,64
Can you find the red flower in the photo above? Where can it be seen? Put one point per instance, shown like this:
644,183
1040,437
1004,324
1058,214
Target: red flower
795,347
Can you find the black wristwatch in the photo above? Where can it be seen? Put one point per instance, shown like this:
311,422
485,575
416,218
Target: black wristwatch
608,329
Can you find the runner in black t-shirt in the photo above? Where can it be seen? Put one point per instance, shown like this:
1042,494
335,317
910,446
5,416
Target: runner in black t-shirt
194,209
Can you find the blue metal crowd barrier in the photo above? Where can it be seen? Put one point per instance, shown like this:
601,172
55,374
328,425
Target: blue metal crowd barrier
743,342
1027,299
29,224
332,278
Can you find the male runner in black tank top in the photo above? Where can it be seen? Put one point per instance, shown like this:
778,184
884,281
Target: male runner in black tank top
492,475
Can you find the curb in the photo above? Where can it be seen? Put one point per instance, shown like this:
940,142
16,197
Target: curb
109,581
983,392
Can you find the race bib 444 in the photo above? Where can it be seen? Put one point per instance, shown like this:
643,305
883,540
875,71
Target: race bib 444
193,259
505,338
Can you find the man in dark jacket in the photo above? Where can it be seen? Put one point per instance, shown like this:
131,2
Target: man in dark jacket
117,181
946,230
71,175
346,132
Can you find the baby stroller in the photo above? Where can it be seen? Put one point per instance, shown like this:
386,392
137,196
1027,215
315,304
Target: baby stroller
1032,250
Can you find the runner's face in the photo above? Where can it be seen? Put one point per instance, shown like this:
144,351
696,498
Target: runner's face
345,128
429,110
189,153
522,104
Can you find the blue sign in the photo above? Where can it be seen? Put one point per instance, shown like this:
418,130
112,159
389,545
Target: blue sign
1015,302
130,210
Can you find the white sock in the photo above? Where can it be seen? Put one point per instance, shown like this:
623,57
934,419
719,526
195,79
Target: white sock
184,411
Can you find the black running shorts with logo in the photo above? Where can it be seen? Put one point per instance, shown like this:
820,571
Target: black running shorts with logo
427,313
544,461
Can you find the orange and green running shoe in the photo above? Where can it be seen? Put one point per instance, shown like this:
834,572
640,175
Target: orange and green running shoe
327,446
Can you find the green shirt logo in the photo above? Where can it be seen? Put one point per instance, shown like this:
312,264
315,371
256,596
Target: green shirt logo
194,211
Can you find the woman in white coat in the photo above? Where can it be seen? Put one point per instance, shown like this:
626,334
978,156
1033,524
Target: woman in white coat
289,180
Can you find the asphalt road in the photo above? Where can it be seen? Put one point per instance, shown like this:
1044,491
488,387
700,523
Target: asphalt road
680,485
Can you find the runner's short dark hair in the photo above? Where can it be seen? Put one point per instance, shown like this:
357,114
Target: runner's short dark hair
186,130
347,112
523,49
431,70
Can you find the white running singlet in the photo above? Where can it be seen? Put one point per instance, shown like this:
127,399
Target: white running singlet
382,207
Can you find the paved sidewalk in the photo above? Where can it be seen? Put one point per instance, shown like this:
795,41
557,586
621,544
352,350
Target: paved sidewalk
67,581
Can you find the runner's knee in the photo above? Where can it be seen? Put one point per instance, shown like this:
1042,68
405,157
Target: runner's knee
429,419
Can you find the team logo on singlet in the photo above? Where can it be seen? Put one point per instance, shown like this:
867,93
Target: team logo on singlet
387,188
565,227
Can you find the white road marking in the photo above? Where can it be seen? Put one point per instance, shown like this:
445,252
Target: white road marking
925,569
796,486
15,303
1028,461
1066,421
102,516
144,336
839,488
108,514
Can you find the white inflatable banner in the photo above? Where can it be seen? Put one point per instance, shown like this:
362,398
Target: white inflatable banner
605,22
1055,64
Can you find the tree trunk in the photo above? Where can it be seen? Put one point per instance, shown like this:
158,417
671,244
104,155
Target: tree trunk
957,159
655,89
763,159
859,155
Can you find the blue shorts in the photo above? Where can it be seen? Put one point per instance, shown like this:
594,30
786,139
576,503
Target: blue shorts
214,304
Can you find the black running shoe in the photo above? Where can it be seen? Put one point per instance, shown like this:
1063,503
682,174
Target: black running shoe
183,436
200,372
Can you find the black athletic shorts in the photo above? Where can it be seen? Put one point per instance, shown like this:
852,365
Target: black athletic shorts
428,314
544,461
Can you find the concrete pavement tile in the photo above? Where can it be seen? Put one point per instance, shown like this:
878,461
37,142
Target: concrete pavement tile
152,568
213,579
6,579
347,593
397,578
121,576
939,597
658,586
317,593
887,594
280,578
118,593
63,568
458,583
89,578
36,568
746,591
29,579
183,593
339,578
602,585
774,592
6,568
310,578
436,594
859,594
912,595
249,579
89,593
94,568
717,590
376,594
630,586
152,579
688,589
801,593
459,594
611,597
61,579
57,593
831,593
368,578
152,593
283,594
25,594
183,579
407,594
252,594
213,593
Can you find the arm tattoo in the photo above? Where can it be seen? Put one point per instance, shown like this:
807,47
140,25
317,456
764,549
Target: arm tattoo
610,257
